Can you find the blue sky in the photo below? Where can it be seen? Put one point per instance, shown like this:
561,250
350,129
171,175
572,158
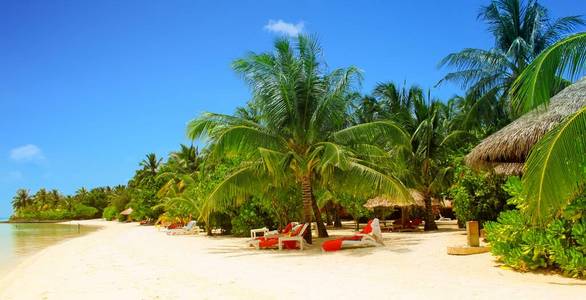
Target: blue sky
87,88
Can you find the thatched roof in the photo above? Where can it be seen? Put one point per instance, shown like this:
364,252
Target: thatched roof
507,149
127,211
382,201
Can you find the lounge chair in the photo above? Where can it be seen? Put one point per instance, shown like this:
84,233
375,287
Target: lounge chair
288,241
266,232
411,225
371,235
190,228
442,219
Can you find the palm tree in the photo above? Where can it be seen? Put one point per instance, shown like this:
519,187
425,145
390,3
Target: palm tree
41,198
422,163
22,199
151,163
397,103
521,31
554,171
187,158
301,136
54,197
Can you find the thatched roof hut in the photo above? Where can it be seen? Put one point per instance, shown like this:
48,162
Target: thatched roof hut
382,201
507,149
126,212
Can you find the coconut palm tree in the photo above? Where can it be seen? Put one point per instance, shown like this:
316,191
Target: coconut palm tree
22,199
301,136
397,103
554,171
521,31
422,163
187,159
151,163
41,198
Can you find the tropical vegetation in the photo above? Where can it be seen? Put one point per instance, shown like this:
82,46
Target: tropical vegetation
310,146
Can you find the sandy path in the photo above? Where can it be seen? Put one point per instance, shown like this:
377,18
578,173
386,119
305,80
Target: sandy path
134,262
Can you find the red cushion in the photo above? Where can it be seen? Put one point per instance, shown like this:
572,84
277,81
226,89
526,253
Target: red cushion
332,245
368,228
268,242
297,230
287,228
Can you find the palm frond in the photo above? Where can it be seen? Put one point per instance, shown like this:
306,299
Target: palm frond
534,87
373,132
362,180
554,169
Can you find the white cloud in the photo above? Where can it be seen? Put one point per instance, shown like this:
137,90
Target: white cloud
283,27
27,153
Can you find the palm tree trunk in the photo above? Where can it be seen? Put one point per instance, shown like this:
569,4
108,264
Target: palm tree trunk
328,209
429,217
321,228
337,220
307,197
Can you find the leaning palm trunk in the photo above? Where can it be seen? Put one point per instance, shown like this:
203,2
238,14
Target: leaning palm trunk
307,196
321,228
429,217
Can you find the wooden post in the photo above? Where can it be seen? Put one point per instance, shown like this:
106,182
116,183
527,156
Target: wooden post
472,233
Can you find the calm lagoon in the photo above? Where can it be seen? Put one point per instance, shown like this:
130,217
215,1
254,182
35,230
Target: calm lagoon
20,240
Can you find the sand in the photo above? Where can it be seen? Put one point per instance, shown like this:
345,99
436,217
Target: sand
127,261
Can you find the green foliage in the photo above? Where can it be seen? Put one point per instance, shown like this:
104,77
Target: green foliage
81,211
110,213
251,214
561,244
478,196
554,171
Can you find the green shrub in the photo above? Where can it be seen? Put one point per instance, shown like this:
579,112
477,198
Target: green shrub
249,216
478,196
81,211
110,213
561,244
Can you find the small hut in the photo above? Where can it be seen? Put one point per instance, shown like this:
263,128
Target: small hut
127,213
382,201
506,150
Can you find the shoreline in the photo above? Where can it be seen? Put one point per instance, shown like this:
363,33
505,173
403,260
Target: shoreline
125,260
9,266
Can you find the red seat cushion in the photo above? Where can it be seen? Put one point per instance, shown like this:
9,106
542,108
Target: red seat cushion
267,242
287,228
332,245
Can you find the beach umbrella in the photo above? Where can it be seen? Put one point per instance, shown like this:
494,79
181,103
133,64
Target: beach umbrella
384,201
126,212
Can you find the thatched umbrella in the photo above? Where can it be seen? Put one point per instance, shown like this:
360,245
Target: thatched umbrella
126,212
382,201
507,149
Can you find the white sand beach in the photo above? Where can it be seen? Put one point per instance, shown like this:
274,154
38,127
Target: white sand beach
128,261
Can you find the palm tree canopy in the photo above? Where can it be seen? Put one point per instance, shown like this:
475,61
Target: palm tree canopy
522,30
303,110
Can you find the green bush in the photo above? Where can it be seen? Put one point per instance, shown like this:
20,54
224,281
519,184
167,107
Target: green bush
81,211
249,216
110,213
478,196
561,244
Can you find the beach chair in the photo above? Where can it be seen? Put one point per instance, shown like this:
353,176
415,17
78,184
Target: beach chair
190,228
288,241
442,219
370,236
266,232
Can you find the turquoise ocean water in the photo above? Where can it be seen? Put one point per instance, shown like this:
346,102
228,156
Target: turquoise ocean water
17,241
